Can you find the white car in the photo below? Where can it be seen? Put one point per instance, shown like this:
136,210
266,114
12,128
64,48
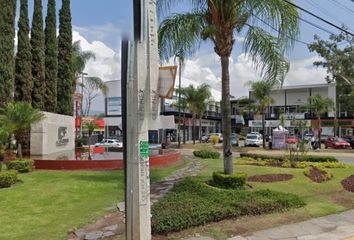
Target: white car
253,140
109,143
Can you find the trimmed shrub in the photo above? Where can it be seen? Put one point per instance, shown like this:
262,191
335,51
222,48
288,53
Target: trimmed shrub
206,154
235,181
22,166
214,139
8,178
321,164
306,158
318,174
192,202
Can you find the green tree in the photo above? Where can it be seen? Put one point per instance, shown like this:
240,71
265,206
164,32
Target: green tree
337,54
261,96
7,62
38,56
219,21
92,86
23,68
79,60
319,105
51,58
194,98
65,73
19,116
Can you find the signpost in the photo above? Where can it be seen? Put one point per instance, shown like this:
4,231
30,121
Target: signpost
139,108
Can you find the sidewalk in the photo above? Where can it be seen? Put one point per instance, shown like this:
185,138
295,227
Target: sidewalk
331,227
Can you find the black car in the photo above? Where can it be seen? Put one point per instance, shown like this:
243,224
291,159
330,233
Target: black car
350,140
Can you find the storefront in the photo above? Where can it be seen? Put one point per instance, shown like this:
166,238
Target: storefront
331,127
291,125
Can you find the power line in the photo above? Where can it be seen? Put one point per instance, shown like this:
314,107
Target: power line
297,40
324,11
320,18
342,6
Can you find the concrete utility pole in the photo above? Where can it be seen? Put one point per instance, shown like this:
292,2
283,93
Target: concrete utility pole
140,100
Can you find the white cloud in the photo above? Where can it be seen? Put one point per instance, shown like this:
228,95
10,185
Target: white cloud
206,69
107,63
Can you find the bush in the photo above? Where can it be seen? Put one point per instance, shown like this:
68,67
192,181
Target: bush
214,139
235,181
192,203
306,158
22,166
206,154
8,178
324,176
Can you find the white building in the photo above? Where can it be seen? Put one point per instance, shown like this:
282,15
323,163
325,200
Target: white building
113,116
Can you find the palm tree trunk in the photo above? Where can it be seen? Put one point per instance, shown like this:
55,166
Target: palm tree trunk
184,127
263,129
226,115
200,129
319,132
193,128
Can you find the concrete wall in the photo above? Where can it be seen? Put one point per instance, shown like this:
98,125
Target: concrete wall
55,133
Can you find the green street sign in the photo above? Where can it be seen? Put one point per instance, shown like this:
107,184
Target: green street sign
144,148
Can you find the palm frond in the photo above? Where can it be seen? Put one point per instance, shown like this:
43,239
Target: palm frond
181,33
266,54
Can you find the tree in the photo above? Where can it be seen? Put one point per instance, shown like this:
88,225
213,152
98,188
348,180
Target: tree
38,56
19,116
219,21
79,60
338,58
23,68
7,62
182,105
194,98
201,108
261,95
319,105
51,58
92,86
65,73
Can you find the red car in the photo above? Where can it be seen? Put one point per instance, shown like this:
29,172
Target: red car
292,140
336,143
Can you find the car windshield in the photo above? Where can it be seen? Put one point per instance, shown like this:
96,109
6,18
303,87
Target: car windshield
339,140
251,137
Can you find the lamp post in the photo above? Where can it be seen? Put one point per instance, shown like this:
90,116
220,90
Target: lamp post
82,99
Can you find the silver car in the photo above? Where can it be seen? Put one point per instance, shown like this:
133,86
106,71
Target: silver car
253,140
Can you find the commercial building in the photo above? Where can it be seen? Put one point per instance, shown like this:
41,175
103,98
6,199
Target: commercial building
287,110
158,129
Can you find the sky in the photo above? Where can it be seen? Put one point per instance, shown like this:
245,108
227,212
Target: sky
100,25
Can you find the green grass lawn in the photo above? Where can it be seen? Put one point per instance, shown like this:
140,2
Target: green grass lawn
321,198
46,204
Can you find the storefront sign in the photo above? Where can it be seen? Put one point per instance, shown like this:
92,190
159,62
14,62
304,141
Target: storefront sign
114,106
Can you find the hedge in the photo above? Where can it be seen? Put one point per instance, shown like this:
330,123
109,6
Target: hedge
22,166
206,154
192,202
235,181
8,178
306,158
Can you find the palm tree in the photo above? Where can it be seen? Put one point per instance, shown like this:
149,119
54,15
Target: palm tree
194,97
261,92
78,61
219,21
319,105
201,108
92,86
19,116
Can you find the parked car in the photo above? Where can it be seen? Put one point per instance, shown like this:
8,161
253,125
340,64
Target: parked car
292,140
205,138
234,139
324,138
109,143
308,136
253,140
336,143
350,140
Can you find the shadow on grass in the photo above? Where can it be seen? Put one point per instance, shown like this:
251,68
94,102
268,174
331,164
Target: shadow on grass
108,177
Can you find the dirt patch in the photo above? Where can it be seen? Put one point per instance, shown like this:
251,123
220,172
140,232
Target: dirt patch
316,175
348,183
270,178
